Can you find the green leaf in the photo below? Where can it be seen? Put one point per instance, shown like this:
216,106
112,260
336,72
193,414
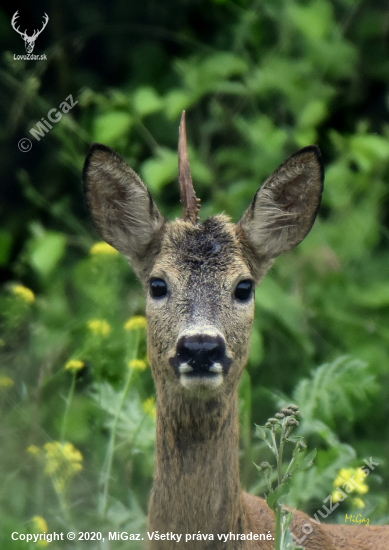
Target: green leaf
289,542
369,149
314,20
287,519
46,251
264,434
312,114
286,308
333,388
222,65
260,432
146,101
274,497
177,101
375,296
302,461
109,127
308,459
209,74
294,439
161,169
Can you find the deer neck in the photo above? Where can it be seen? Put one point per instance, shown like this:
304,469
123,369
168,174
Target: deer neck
196,484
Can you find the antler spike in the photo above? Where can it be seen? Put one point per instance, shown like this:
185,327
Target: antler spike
189,200
13,23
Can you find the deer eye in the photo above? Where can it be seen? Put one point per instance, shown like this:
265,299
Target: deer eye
158,288
244,290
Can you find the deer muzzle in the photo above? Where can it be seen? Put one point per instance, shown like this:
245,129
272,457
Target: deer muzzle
201,360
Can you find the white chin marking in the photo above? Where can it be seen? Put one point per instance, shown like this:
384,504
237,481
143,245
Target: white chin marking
184,368
205,382
216,368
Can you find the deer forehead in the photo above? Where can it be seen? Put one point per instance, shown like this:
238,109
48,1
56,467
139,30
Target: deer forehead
206,253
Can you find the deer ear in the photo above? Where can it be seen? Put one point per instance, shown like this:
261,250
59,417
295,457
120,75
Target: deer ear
122,209
285,207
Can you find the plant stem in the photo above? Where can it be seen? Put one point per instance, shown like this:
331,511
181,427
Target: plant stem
106,476
111,447
279,455
67,406
280,452
289,467
278,527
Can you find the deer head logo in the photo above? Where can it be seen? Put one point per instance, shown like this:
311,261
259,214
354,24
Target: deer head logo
29,41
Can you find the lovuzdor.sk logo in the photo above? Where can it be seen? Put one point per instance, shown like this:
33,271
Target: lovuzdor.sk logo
29,41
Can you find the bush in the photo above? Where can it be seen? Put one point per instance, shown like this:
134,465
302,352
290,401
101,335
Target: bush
258,80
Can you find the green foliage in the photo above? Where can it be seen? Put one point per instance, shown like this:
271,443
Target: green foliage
258,81
331,394
46,249
333,389
276,433
110,127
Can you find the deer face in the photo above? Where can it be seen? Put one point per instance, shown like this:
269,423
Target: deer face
200,277
200,306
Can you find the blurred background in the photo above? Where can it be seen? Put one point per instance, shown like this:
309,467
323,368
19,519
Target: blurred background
259,79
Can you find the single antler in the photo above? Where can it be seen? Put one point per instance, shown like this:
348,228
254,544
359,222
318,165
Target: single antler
45,21
189,200
13,23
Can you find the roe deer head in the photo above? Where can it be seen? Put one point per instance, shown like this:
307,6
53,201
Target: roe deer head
199,280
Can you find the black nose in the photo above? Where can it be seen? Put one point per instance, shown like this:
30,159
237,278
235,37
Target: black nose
200,351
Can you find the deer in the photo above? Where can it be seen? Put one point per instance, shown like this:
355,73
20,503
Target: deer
29,41
199,279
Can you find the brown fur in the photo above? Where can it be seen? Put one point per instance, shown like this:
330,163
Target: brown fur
196,484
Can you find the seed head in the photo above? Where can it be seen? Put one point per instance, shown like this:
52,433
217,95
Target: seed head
292,422
287,411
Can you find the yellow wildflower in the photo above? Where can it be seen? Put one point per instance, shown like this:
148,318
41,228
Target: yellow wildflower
149,407
351,479
25,293
138,321
137,364
355,476
74,364
73,455
6,382
65,452
40,525
62,462
99,327
103,248
33,450
358,502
